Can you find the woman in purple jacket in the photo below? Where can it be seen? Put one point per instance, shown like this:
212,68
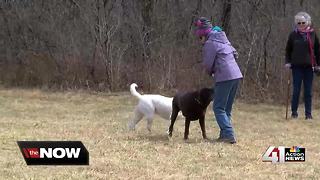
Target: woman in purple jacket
220,63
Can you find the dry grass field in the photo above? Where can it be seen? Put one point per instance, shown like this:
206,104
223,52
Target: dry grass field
99,121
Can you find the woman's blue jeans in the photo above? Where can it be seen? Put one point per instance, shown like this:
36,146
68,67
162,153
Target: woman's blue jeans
224,95
299,75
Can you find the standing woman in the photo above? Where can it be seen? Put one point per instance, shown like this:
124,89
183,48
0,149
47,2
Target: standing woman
302,56
218,59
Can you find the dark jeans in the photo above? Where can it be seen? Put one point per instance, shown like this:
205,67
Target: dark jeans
299,75
224,95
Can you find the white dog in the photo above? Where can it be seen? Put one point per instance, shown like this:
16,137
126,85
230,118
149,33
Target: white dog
148,106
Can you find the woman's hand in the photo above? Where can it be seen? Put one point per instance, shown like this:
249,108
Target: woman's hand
287,65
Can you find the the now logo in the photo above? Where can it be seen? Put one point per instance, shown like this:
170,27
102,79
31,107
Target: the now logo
51,152
54,152
60,152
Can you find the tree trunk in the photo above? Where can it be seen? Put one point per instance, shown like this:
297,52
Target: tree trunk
226,16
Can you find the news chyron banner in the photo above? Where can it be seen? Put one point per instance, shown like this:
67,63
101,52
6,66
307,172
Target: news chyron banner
54,152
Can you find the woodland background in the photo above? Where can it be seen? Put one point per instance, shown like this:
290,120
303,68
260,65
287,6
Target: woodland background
104,45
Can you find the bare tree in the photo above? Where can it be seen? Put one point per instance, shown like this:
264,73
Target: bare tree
107,44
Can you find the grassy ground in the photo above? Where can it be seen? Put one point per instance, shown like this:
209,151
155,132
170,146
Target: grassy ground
99,121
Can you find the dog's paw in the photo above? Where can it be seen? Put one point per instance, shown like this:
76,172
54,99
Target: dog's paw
169,133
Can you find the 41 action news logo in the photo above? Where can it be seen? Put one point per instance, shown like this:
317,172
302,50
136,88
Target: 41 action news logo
54,152
282,154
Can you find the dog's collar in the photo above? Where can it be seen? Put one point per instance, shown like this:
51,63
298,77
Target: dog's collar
198,101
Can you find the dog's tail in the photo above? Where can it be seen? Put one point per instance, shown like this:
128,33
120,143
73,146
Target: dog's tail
134,91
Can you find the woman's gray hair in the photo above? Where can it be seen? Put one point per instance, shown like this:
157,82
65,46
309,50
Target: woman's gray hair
302,17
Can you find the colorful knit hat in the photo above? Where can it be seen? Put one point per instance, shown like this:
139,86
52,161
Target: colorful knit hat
202,26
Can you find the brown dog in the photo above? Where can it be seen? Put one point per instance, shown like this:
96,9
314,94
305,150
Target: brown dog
193,106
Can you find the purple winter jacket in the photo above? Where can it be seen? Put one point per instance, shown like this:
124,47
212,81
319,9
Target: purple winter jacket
218,58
